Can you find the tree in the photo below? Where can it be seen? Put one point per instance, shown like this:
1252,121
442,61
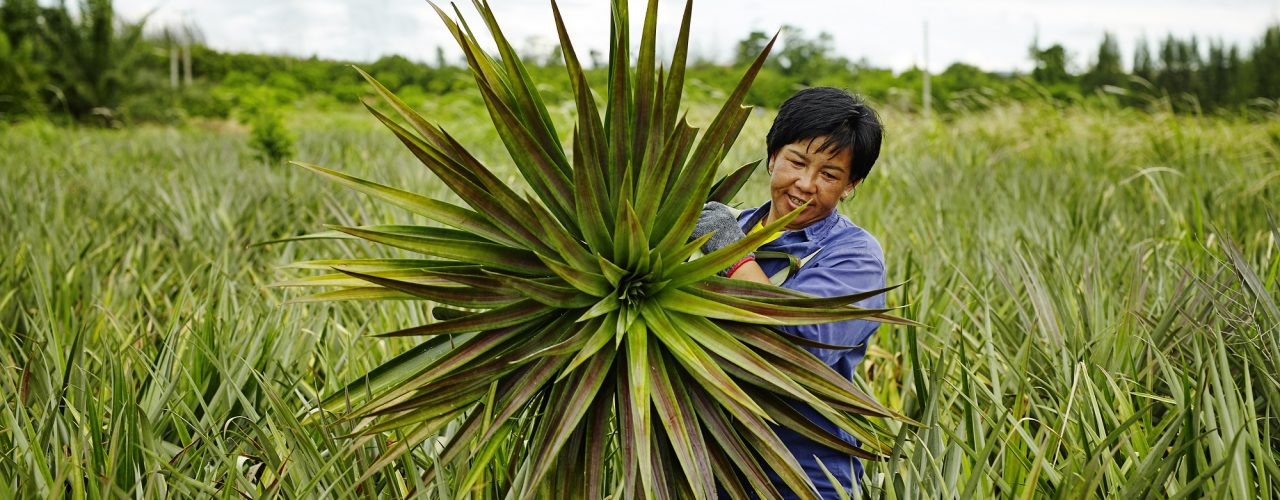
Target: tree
1241,86
92,56
1050,65
20,20
806,60
397,71
1266,64
1143,67
746,50
1220,76
1106,68
22,74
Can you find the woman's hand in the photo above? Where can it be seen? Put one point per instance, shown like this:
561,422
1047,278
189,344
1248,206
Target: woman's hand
718,220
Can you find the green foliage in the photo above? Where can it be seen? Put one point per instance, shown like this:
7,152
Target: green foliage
91,55
1266,64
575,309
1107,70
1051,74
1073,272
20,80
21,74
270,140
60,62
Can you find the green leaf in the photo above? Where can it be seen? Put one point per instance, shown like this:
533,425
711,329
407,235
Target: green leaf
399,448
653,177
772,313
643,107
587,282
632,250
788,417
694,359
472,297
580,394
726,188
730,442
534,163
358,293
603,332
618,112
392,372
675,300
489,254
722,344
589,146
558,238
464,353
490,197
675,78
445,213
554,295
374,265
685,198
682,427
804,367
502,317
533,113
591,195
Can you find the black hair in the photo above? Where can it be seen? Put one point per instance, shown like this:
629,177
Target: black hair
845,119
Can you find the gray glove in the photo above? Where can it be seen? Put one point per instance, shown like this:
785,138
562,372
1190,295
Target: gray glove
719,220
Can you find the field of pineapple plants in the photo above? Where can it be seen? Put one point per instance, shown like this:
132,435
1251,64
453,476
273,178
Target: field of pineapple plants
1095,289
1098,290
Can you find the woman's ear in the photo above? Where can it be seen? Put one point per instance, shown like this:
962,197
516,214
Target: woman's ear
849,189
768,166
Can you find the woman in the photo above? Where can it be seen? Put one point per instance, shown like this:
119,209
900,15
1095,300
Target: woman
821,147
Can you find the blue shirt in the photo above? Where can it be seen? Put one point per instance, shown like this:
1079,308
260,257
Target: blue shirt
848,260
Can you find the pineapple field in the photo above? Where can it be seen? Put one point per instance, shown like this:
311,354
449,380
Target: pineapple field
1082,299
1097,289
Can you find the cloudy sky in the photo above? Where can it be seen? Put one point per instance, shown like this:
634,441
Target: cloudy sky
992,34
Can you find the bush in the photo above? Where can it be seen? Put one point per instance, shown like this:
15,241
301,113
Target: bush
203,102
270,140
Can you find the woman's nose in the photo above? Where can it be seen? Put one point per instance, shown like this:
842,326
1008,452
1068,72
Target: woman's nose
805,182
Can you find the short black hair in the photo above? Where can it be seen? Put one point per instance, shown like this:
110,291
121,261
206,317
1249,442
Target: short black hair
845,119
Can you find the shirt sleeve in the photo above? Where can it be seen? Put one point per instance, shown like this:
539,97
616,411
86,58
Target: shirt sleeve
844,271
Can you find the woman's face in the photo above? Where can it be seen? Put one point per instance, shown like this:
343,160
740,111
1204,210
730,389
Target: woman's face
798,173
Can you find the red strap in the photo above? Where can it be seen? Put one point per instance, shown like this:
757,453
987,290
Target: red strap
734,268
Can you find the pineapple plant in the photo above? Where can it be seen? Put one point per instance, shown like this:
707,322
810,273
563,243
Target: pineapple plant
582,344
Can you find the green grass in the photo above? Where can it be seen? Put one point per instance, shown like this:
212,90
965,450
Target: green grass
1099,285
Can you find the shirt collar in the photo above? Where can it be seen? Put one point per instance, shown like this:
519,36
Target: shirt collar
813,232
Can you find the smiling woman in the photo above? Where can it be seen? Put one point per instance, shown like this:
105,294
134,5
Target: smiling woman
823,143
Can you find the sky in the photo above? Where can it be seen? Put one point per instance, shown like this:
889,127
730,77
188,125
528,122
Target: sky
991,34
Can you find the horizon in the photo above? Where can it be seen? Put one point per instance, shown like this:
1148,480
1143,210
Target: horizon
996,34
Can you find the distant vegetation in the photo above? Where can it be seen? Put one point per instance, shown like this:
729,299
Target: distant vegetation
88,65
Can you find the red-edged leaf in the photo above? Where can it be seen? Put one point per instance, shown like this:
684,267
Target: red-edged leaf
502,317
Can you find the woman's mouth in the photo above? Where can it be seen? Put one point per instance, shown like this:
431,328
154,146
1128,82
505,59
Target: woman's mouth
795,202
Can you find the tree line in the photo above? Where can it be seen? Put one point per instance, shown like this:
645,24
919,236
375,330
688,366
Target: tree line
88,65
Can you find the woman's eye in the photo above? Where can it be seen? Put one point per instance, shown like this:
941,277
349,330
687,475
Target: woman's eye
828,176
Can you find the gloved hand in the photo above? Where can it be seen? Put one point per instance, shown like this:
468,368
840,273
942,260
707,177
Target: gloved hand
718,219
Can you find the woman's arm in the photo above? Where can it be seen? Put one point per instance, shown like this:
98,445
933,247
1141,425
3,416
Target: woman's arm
750,271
